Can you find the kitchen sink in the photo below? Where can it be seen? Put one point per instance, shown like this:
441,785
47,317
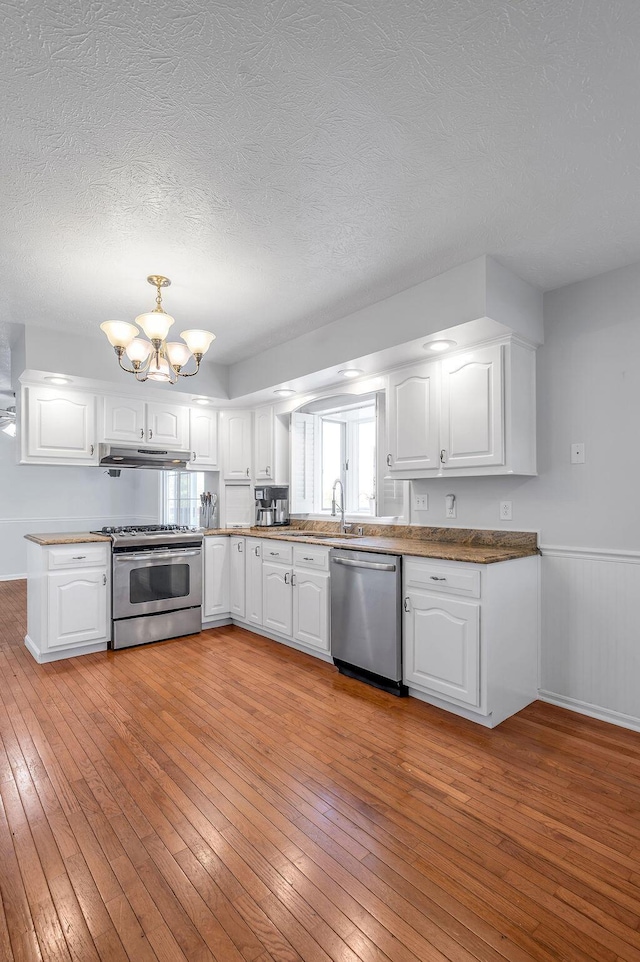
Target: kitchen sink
319,535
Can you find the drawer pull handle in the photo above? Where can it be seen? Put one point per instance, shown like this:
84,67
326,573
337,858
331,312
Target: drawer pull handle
406,604
435,578
239,546
150,433
142,432
256,551
307,559
248,472
274,554
287,578
389,460
79,557
293,580
104,579
443,455
267,470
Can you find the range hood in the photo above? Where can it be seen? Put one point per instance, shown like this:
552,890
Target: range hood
112,456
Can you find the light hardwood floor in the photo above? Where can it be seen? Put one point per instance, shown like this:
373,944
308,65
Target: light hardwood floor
224,797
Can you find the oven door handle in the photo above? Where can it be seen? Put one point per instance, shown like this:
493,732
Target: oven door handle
157,555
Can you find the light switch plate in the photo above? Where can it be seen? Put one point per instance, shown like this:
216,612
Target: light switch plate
577,452
421,502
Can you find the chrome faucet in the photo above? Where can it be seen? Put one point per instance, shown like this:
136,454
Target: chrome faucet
335,506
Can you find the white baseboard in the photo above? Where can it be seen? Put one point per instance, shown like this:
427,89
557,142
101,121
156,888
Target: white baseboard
13,577
593,711
43,657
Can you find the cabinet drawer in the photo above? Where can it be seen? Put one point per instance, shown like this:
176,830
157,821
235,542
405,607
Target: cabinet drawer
79,555
277,551
308,556
434,576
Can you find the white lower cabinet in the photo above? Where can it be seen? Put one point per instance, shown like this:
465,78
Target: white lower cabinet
68,599
253,574
470,635
311,608
277,601
77,607
442,646
237,577
216,577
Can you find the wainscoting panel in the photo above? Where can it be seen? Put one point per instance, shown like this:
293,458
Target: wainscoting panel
590,644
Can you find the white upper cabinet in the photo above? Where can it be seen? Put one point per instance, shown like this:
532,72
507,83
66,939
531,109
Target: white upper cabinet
472,419
123,420
473,413
60,426
167,425
148,423
204,439
412,418
236,445
263,448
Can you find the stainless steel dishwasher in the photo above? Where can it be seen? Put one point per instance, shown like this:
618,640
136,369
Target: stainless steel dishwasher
366,640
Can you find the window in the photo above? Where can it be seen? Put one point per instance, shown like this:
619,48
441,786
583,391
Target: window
338,442
180,497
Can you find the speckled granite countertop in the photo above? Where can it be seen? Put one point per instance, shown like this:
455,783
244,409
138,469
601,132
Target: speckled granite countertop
73,537
470,545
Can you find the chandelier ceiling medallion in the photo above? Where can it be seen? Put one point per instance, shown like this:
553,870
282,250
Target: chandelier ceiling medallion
156,359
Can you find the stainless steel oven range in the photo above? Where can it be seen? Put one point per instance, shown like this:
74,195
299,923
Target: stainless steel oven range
156,583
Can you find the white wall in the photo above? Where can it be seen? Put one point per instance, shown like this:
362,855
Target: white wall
39,498
589,391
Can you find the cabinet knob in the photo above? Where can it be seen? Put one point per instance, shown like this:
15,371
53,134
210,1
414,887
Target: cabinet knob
407,604
389,460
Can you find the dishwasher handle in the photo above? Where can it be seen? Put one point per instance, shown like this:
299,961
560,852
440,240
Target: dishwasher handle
363,564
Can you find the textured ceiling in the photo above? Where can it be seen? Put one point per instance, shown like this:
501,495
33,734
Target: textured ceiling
289,162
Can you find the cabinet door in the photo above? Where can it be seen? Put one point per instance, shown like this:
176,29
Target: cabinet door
253,596
167,425
263,445
237,445
216,577
204,439
311,608
237,577
123,420
61,426
442,646
77,607
277,603
473,409
412,419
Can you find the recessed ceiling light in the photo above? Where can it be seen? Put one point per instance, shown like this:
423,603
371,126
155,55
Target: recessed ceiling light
351,372
284,391
439,345
58,379
200,400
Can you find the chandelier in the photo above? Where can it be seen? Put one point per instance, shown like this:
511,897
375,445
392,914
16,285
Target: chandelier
156,359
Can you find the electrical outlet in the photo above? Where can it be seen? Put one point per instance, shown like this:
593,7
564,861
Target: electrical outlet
450,506
577,452
421,502
506,510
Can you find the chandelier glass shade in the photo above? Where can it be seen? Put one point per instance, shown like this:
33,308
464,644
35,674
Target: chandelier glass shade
156,359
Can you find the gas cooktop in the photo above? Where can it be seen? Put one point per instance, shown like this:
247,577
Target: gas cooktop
156,535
